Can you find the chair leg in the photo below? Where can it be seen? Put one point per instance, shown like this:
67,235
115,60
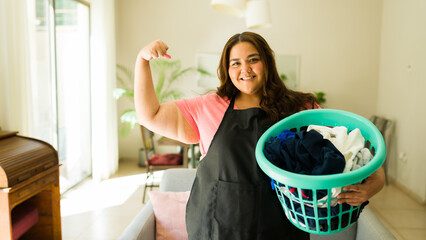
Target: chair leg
144,192
152,184
148,173
385,169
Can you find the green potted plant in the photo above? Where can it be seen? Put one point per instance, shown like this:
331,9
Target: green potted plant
320,97
166,74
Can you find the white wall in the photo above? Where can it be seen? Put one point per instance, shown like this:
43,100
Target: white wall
401,91
338,43
356,51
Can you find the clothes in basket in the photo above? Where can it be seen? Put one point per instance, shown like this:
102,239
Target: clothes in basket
305,153
349,144
323,151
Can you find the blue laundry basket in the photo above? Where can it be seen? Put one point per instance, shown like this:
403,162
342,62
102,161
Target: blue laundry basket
290,187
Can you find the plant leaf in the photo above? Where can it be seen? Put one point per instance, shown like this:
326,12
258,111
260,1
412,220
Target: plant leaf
120,79
125,129
129,116
120,92
160,83
205,72
125,70
171,94
127,81
178,74
320,97
283,77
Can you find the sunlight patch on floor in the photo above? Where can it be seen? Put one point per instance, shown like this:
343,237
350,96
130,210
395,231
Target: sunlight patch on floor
90,196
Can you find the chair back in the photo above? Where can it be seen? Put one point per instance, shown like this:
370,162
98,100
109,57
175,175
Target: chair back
386,128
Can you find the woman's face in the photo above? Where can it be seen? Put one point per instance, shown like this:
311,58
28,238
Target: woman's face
246,69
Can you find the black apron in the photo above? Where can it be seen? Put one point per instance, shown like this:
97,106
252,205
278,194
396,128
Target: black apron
231,197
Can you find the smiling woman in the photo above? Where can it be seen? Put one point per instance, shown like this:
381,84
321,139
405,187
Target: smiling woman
245,105
229,188
247,74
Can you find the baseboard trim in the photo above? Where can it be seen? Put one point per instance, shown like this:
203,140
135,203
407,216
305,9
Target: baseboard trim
407,191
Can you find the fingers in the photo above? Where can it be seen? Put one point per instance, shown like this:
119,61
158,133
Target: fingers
356,194
352,188
154,50
353,195
160,48
351,198
350,201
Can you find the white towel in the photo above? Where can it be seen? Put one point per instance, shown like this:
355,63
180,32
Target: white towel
361,158
348,144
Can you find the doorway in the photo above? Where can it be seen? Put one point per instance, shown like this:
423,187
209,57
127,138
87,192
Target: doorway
72,38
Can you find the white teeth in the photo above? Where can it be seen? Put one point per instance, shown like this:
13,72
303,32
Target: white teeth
247,78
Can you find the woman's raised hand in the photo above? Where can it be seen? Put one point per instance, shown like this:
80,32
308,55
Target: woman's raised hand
155,49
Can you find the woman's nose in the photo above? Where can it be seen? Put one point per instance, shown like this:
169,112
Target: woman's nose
245,68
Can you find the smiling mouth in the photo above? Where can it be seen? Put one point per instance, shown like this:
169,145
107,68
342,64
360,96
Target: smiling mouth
247,78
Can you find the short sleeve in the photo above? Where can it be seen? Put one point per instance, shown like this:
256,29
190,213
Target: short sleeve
204,114
190,110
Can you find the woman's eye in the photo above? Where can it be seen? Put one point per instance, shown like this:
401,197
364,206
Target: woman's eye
253,60
234,64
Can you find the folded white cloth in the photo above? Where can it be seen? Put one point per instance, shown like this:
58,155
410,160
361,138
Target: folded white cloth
348,144
361,158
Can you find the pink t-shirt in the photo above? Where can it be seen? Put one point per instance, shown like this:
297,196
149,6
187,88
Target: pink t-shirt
204,114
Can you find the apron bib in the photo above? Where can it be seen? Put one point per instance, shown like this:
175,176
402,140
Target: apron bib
231,197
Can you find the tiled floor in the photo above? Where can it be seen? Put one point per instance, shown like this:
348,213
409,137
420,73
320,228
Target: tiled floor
405,217
102,211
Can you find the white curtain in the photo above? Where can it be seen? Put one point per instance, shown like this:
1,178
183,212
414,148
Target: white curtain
14,66
104,108
15,73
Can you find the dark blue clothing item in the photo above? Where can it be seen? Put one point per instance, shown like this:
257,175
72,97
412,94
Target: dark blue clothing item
281,137
284,135
305,153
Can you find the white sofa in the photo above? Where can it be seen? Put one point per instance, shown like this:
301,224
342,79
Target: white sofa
142,227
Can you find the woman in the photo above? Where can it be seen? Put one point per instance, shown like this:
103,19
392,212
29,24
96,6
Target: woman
231,197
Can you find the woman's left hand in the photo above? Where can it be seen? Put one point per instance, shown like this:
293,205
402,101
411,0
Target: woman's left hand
356,194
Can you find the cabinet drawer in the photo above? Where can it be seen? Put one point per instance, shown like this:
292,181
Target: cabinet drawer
32,189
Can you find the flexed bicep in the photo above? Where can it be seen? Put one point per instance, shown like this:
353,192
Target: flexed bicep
166,118
170,122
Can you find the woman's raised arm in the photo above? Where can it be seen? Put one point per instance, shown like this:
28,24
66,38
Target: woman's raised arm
166,118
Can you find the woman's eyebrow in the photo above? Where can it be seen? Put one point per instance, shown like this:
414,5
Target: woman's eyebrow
249,56
252,55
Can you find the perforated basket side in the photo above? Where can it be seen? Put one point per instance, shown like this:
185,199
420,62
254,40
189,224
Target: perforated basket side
315,216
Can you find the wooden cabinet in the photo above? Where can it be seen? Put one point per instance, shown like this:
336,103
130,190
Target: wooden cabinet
29,174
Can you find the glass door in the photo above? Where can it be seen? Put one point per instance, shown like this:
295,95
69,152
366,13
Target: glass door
72,35
43,115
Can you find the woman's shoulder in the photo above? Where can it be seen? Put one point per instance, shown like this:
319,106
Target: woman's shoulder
209,101
212,98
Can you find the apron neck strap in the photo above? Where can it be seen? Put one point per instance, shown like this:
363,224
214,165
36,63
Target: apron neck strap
231,104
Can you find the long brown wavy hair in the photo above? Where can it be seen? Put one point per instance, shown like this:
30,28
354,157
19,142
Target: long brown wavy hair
276,100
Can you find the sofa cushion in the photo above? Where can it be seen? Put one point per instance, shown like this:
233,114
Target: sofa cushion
169,211
177,180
